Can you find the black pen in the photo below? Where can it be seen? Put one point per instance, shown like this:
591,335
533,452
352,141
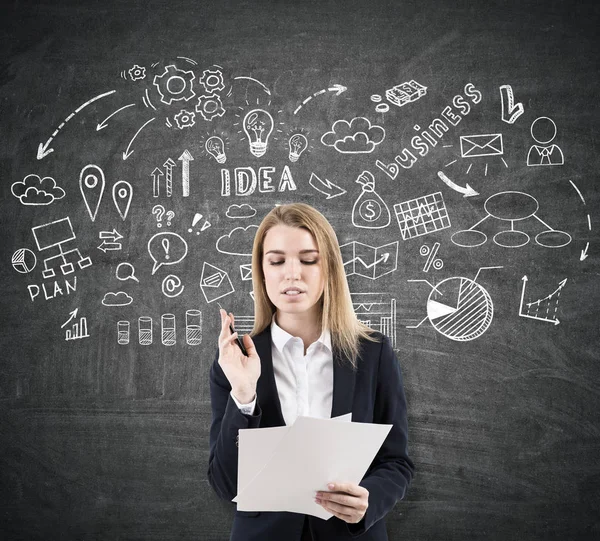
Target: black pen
238,339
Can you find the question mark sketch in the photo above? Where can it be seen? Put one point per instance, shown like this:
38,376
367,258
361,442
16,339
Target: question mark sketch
158,211
170,215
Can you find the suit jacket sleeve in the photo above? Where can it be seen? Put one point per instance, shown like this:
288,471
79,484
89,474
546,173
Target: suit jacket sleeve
391,471
227,419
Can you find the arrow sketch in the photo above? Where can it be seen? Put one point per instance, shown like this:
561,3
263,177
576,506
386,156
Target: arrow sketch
535,310
43,148
185,158
467,191
326,187
72,316
256,81
103,124
338,89
127,153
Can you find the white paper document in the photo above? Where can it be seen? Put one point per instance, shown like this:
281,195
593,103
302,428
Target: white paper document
281,468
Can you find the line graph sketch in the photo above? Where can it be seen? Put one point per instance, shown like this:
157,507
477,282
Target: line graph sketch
422,215
543,309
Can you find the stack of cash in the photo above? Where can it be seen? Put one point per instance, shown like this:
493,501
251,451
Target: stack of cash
405,93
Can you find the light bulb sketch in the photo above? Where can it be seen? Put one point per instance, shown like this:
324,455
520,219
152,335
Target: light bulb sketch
298,144
216,148
258,125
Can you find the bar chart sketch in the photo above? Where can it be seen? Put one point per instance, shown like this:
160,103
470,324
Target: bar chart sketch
378,311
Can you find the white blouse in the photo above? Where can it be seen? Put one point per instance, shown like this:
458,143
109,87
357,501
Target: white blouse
304,382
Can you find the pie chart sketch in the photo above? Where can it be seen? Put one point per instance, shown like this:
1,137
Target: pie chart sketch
458,308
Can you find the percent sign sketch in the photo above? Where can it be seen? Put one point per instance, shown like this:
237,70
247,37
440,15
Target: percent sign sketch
430,254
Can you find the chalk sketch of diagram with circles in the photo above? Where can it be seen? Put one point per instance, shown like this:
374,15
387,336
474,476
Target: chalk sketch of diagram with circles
511,207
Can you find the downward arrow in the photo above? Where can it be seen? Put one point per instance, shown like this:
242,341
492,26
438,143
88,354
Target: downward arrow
584,253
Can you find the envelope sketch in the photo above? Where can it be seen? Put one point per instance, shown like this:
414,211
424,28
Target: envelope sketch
476,146
246,271
214,283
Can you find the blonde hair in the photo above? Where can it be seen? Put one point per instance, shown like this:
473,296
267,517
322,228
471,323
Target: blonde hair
337,313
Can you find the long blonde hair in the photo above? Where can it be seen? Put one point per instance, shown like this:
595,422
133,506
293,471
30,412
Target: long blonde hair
337,313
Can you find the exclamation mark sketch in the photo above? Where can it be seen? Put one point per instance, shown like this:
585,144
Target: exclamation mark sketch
543,309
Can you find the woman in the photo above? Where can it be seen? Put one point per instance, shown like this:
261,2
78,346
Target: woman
308,355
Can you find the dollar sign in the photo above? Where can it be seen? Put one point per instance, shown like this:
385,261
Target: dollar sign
370,212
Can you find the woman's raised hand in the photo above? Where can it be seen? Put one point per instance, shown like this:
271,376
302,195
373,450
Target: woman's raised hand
242,371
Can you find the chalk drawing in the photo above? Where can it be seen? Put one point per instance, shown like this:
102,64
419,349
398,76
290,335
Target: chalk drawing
459,308
214,283
55,235
24,260
34,190
355,137
542,309
368,261
422,215
511,207
172,286
370,210
543,131
91,185
326,187
258,126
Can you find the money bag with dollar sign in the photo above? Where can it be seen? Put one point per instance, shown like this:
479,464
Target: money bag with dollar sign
369,211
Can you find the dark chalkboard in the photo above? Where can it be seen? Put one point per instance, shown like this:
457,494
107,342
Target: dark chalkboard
452,145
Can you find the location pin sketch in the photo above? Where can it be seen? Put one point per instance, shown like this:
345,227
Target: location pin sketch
91,184
122,194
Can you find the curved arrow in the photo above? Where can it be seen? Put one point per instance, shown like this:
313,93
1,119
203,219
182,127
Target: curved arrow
126,154
338,89
256,81
43,149
103,124
467,191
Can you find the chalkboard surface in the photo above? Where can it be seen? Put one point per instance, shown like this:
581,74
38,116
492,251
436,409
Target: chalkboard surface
452,145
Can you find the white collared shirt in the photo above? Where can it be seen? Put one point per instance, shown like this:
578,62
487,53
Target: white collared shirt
304,382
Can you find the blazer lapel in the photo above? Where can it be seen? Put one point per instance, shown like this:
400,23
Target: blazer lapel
343,383
266,388
344,377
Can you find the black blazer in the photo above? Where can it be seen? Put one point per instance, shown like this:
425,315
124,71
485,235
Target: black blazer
373,393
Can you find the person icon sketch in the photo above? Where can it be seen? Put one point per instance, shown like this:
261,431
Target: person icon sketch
307,355
543,131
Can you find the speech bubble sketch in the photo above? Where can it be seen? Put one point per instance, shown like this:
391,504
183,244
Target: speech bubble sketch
126,271
238,241
34,190
355,137
240,211
119,298
166,249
